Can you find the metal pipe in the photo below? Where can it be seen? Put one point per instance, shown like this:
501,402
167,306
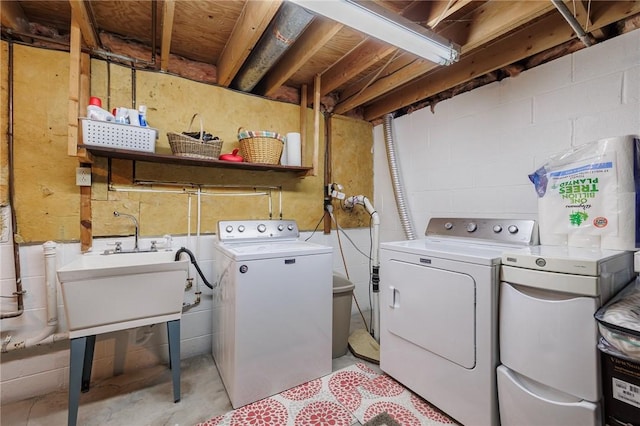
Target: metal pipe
133,89
398,188
95,52
375,259
566,13
16,248
154,29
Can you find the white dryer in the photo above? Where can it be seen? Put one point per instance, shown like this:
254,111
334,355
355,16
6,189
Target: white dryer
548,335
439,312
272,309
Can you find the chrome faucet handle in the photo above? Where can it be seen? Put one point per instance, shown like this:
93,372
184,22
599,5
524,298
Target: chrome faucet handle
118,248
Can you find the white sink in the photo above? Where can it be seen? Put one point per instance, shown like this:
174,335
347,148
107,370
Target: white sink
104,293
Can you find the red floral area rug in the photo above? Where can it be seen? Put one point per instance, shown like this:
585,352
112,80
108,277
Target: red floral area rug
343,398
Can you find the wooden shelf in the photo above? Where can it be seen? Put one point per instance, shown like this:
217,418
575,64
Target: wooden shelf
188,161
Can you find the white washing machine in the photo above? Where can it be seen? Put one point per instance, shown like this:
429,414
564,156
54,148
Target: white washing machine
272,309
548,335
439,312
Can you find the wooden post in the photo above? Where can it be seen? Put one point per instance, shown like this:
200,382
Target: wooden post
75,51
303,121
316,125
79,83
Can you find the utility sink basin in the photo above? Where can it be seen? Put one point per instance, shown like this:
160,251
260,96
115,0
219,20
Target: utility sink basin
104,293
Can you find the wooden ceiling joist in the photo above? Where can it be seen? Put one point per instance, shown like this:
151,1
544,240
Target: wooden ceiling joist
490,25
81,14
255,18
168,13
548,32
359,73
13,17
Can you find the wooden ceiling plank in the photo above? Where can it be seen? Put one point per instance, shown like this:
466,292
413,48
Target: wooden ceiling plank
398,63
319,32
441,10
496,19
12,16
493,19
544,34
89,34
253,21
368,53
168,14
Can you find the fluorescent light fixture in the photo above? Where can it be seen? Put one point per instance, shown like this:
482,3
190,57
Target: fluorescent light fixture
377,22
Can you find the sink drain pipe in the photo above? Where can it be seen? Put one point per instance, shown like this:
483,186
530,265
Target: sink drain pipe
48,334
396,181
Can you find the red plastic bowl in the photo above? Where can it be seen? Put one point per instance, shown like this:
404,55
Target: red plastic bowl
232,157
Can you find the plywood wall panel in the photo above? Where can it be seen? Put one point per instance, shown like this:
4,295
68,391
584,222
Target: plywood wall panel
352,166
48,200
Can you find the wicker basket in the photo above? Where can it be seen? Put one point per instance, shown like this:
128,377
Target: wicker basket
260,147
186,146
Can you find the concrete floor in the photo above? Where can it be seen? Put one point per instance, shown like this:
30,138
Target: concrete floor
144,397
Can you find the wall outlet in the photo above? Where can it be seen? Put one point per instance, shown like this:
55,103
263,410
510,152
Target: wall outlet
83,176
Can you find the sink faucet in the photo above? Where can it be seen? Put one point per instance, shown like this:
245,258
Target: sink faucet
135,222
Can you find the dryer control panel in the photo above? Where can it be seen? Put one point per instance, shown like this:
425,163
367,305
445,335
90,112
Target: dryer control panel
497,231
257,230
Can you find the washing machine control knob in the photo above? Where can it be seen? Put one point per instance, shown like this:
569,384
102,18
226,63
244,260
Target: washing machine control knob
513,229
471,227
241,228
448,225
229,228
290,227
262,227
280,227
497,229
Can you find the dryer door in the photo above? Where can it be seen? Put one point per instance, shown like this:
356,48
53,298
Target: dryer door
432,308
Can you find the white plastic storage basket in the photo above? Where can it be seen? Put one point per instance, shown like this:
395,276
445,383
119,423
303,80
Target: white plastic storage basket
116,135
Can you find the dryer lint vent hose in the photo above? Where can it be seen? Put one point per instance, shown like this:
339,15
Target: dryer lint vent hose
396,180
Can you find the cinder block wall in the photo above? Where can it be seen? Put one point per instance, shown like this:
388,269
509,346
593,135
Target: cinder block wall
471,157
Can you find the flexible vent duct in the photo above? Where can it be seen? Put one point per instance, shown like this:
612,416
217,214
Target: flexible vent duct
398,188
285,28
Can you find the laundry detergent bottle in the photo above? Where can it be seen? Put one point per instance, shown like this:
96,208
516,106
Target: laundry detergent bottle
96,112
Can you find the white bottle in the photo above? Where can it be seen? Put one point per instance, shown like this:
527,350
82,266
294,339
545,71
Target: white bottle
95,111
142,115
134,117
